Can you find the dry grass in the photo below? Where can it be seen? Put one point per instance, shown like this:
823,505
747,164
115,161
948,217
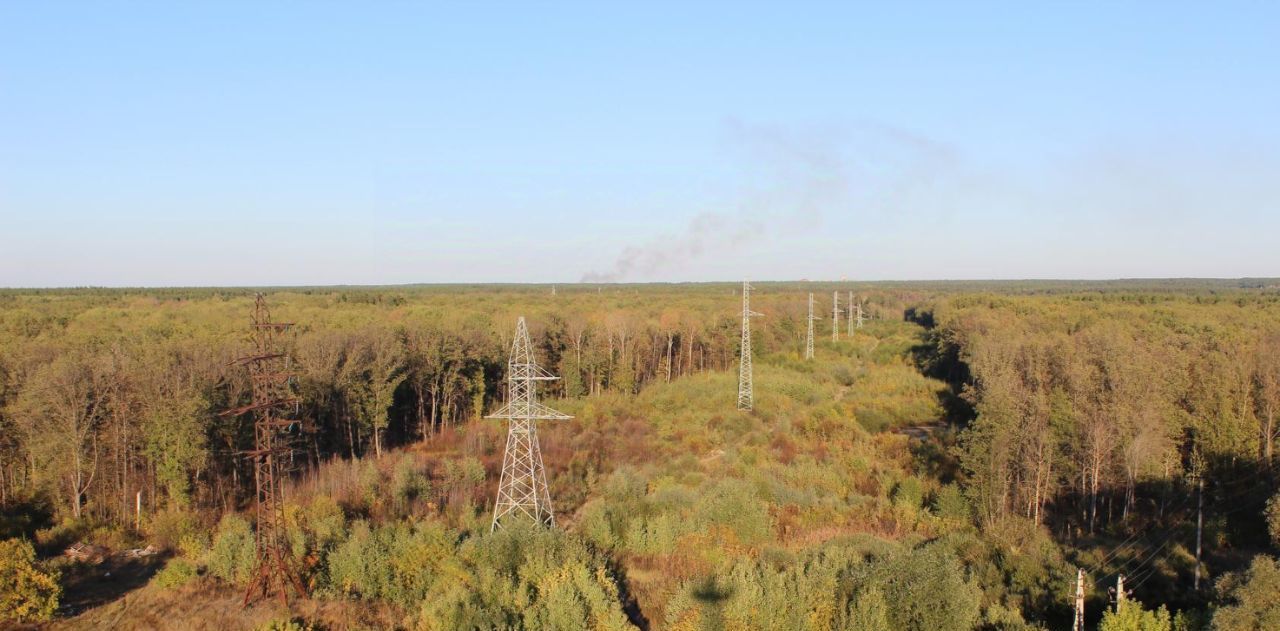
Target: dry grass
209,605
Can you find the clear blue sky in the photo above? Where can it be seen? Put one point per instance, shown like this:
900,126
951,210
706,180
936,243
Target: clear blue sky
322,143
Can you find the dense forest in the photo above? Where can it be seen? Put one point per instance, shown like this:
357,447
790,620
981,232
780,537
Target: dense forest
949,465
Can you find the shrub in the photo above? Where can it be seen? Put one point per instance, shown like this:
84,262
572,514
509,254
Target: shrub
843,374
170,527
927,591
287,624
233,555
62,534
1252,597
194,546
397,562
176,573
1130,616
524,577
735,505
909,493
868,611
461,477
408,483
26,592
949,503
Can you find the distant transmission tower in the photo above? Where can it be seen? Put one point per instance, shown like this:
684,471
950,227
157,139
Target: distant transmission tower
835,316
522,491
850,314
270,381
859,317
746,399
808,340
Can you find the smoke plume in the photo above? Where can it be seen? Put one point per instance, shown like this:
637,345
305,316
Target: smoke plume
792,180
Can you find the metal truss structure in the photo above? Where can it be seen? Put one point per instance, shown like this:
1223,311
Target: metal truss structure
522,490
746,396
271,383
850,314
835,316
808,339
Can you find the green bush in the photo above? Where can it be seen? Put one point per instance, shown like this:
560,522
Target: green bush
408,483
735,505
287,624
1251,599
868,611
949,503
523,577
26,592
927,591
398,562
909,493
233,555
176,573
1130,616
170,527
194,545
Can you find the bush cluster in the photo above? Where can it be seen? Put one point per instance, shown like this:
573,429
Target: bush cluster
27,592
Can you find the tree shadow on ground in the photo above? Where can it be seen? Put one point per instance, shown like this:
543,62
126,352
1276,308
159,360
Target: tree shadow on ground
89,585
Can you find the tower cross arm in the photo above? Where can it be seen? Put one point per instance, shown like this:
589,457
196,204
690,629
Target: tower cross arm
531,371
526,410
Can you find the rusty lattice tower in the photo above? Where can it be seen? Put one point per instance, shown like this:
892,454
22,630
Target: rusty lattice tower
272,386
522,491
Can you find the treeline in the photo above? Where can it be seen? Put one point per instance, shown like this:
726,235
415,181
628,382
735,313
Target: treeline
105,394
1089,409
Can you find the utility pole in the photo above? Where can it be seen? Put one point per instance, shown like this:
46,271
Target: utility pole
808,340
522,491
835,316
1119,592
270,380
746,398
1199,525
1078,625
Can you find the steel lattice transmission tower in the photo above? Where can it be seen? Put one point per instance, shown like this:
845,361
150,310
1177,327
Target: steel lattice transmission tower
859,320
808,340
835,316
271,382
746,398
522,491
850,314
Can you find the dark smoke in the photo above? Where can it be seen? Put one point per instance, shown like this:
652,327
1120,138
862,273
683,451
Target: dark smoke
797,177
